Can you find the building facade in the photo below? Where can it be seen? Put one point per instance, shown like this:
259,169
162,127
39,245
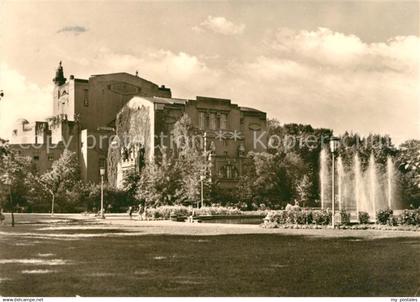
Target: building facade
89,116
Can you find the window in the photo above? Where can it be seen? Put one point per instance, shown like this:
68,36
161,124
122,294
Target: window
202,120
51,157
85,98
212,121
218,121
36,157
228,171
207,121
223,120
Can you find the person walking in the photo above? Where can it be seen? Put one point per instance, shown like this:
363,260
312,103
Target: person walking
141,211
2,217
130,212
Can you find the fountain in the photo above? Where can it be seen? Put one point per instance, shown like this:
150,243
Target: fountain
390,175
358,189
357,182
324,177
372,184
341,175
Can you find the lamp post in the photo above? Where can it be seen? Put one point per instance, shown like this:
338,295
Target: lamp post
333,146
203,176
102,172
8,182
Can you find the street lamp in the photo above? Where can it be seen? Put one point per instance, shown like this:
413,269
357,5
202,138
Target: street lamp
102,172
333,147
202,177
8,182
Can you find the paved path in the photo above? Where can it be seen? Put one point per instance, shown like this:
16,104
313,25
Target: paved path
210,229
124,223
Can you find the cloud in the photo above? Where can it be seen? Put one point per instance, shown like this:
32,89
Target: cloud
76,29
336,80
322,77
326,47
22,99
188,73
220,25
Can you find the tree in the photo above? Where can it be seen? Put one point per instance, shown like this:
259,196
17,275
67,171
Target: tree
62,176
271,179
174,177
131,185
302,190
15,174
408,163
304,141
3,148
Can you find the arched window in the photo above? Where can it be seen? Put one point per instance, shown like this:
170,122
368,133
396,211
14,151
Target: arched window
228,171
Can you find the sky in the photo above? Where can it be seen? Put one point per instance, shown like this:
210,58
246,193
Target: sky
345,65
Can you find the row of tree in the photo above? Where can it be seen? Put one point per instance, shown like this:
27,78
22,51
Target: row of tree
60,189
281,175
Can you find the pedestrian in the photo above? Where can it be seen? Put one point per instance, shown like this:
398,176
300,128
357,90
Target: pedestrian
130,212
141,211
2,218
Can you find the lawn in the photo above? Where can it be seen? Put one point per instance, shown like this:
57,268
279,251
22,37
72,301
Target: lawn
95,261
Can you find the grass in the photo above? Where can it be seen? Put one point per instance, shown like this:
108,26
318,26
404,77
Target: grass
228,265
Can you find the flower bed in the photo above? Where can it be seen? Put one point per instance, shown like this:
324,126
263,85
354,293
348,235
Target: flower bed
297,217
300,219
172,212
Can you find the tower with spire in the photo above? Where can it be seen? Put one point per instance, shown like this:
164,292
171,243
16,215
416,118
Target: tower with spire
59,76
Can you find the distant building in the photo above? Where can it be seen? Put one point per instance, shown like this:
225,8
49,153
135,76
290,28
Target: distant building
88,114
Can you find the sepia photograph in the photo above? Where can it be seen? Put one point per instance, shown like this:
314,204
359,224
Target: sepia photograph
209,149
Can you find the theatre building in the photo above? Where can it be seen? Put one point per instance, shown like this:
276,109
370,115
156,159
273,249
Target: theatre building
88,115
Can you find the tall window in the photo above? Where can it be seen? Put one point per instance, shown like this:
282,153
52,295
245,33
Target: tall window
85,98
218,121
212,121
223,119
202,121
228,171
207,121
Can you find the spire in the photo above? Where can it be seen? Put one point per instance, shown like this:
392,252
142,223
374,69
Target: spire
59,76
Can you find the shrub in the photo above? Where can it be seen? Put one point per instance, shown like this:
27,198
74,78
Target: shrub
383,216
272,217
291,217
392,221
322,217
300,217
282,217
345,217
165,212
364,217
409,217
217,211
309,217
